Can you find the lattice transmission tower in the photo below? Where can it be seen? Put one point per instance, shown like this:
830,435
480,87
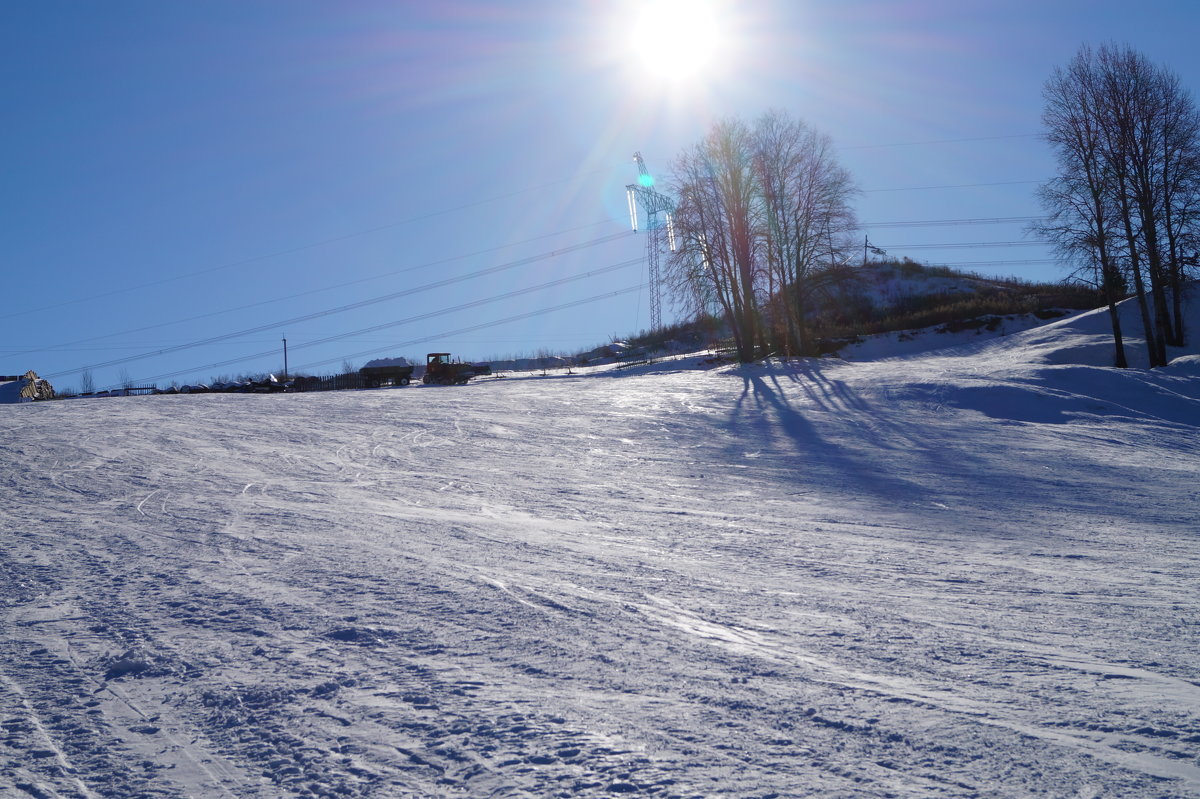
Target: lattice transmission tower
660,230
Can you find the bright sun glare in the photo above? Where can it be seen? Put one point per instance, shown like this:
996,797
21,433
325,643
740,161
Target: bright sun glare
676,40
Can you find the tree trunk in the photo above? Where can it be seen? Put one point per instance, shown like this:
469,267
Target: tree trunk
1147,324
1118,342
1110,296
1136,268
1158,278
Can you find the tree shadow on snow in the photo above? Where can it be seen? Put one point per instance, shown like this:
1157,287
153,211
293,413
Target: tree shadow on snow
765,416
998,477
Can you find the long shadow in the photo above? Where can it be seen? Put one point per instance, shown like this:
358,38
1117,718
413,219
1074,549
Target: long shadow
868,454
763,414
823,391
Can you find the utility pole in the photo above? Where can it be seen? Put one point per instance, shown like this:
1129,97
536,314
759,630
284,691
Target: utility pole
867,245
655,204
285,357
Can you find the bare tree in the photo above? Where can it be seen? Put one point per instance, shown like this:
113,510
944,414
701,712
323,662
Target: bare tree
1133,113
1180,158
716,225
1081,219
87,382
1126,136
805,196
763,217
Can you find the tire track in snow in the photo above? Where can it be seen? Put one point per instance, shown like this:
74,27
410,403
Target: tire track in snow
751,760
1105,746
147,499
44,745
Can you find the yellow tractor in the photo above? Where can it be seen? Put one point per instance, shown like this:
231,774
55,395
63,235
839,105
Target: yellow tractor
441,371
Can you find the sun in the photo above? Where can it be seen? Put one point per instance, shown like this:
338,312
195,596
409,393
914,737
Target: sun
676,41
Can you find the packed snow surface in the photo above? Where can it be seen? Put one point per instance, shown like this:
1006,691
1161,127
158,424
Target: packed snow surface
969,573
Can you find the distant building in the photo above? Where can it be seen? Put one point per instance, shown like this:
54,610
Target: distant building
24,388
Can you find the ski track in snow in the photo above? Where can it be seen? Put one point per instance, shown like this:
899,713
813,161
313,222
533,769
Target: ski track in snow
938,576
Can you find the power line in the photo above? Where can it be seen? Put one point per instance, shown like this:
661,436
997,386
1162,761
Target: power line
998,220
351,306
248,306
965,245
464,206
476,303
1028,262
129,346
408,320
427,287
473,328
956,186
183,320
943,141
303,247
442,283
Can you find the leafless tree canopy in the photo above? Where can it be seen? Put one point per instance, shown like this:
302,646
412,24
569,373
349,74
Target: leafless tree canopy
763,218
1126,199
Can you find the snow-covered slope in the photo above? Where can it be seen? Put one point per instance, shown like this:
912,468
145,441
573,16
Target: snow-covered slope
1087,340
1084,339
903,343
886,285
969,573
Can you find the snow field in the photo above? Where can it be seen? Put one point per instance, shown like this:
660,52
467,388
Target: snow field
971,573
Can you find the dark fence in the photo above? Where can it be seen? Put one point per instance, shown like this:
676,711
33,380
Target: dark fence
342,382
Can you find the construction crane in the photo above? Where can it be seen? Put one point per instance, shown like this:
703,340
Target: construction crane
658,208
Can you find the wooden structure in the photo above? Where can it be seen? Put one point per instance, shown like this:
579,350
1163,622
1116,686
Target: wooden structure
25,388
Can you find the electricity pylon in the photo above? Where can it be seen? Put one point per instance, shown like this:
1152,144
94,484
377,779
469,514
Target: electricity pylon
658,208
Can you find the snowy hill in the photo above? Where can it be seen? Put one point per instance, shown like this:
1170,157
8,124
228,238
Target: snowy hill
889,284
970,572
1083,339
901,343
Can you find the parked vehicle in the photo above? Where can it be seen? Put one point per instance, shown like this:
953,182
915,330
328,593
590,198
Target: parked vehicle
385,371
441,370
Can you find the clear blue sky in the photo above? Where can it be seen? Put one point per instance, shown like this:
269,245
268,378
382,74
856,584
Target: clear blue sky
176,172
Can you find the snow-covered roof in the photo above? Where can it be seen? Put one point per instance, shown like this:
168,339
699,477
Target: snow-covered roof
25,388
10,392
